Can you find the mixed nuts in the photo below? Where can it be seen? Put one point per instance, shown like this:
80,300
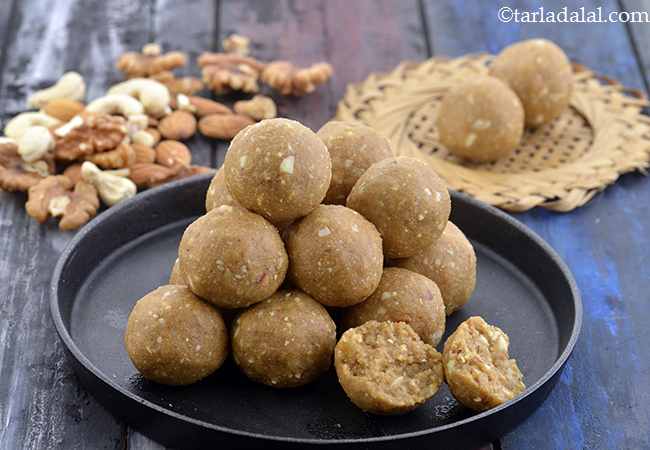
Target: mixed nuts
68,155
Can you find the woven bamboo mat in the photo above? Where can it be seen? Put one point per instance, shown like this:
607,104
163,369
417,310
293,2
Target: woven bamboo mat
559,166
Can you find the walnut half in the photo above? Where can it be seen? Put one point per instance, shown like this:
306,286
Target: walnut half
288,79
16,174
57,196
91,134
225,72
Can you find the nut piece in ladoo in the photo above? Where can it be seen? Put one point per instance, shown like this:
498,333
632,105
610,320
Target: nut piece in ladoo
278,168
175,338
353,148
385,368
406,200
336,255
285,341
232,257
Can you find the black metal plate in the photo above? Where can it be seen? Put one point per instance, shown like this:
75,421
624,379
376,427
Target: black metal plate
523,287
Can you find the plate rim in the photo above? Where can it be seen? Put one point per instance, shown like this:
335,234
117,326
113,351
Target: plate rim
76,352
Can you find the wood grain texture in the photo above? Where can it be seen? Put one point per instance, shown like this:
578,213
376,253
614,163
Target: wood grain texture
191,31
639,35
602,398
41,404
355,37
599,401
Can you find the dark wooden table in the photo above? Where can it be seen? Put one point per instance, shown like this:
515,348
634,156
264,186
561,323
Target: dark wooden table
603,397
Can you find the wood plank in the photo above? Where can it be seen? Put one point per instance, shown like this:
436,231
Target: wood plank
594,44
602,399
6,21
190,28
192,31
42,406
369,35
640,36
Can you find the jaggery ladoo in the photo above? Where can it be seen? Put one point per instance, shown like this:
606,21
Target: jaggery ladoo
478,369
540,74
177,276
403,296
451,263
353,147
278,168
285,341
218,193
336,255
406,200
480,120
385,368
232,257
173,337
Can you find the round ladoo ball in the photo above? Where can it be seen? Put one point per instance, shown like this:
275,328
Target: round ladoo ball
406,200
478,369
336,255
232,257
385,368
279,169
480,120
353,148
173,337
403,296
218,193
451,263
177,276
285,341
540,74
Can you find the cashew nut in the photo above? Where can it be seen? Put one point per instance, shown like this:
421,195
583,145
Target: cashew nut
67,127
6,140
116,104
136,123
153,95
142,137
71,86
39,167
183,103
57,205
17,126
112,187
35,143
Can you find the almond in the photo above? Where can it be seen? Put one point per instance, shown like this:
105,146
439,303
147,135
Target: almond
178,125
223,126
169,153
205,106
63,109
122,156
190,171
148,175
143,154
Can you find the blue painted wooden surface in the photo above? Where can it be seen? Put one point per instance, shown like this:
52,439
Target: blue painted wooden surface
602,399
